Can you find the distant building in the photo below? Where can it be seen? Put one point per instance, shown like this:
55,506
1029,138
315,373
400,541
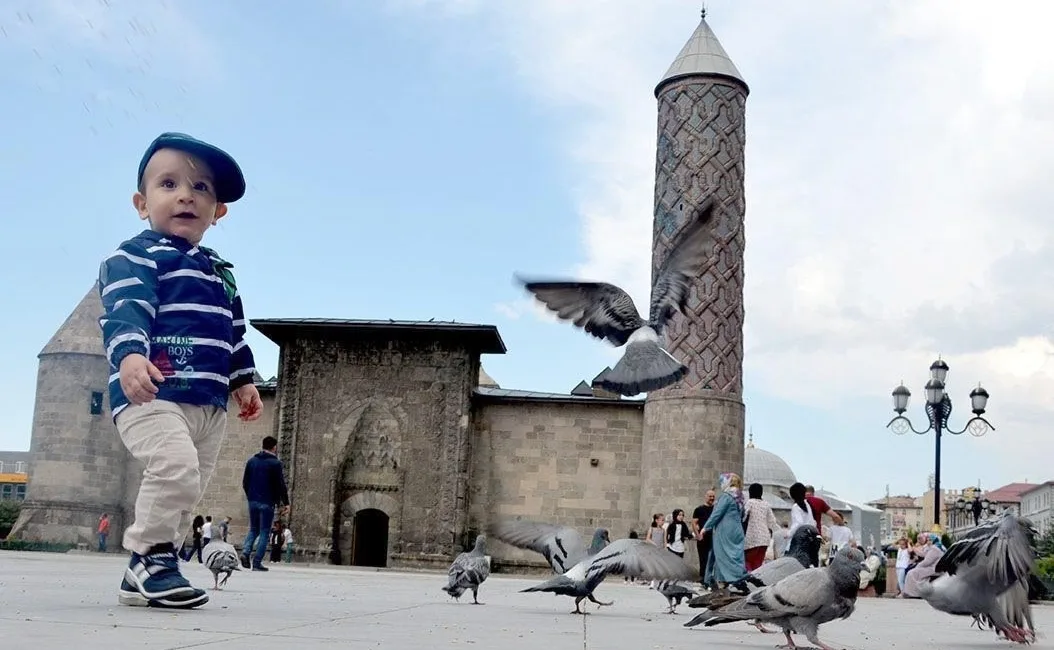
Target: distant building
1007,498
1037,504
900,514
14,473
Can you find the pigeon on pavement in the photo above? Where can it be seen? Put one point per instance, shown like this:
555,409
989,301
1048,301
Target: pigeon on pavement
986,574
797,558
607,312
803,601
468,571
675,593
581,571
220,557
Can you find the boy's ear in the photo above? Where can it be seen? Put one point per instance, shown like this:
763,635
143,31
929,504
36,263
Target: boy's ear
221,212
139,201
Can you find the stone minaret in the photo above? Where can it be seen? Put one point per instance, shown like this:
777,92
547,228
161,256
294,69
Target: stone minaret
77,461
693,430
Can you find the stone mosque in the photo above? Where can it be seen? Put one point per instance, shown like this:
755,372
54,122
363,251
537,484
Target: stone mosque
416,449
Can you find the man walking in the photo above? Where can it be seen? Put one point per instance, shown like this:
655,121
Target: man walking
264,486
103,531
704,540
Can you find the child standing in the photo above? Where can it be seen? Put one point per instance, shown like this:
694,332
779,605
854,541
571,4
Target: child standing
173,331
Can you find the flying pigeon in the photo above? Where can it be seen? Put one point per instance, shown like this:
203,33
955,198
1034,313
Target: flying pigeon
607,312
803,601
797,558
674,592
220,557
581,570
468,571
986,574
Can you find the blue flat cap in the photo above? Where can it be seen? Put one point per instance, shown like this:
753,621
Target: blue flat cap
230,183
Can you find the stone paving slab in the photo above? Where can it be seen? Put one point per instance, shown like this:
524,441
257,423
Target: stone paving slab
52,600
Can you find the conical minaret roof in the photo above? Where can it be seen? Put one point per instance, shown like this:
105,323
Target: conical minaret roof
702,55
80,334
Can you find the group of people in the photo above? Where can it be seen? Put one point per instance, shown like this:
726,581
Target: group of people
280,538
735,533
917,562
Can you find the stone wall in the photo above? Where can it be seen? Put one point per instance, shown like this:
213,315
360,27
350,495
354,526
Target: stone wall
224,495
533,460
77,459
384,417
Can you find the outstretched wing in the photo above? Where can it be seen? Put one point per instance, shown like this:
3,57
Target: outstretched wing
601,309
561,546
1001,554
637,558
682,265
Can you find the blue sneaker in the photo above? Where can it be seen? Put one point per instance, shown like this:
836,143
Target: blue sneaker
154,580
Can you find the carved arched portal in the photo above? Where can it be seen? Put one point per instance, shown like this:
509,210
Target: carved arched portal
367,527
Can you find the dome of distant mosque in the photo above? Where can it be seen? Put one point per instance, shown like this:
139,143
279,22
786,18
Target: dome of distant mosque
766,468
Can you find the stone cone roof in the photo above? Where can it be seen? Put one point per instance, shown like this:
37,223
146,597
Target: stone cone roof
486,380
702,55
80,334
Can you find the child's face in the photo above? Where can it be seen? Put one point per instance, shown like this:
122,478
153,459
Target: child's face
178,195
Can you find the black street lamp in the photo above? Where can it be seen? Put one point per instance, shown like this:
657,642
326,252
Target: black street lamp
938,410
976,506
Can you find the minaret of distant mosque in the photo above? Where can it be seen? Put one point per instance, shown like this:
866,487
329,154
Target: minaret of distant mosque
693,430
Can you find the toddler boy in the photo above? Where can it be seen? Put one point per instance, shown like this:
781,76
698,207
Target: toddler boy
173,331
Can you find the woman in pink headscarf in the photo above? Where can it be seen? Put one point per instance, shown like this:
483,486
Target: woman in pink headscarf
727,564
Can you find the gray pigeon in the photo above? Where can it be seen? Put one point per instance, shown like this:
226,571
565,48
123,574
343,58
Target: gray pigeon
581,571
986,574
803,601
675,593
220,557
607,312
468,571
797,558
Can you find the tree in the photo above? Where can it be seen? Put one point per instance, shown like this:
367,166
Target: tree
1045,543
8,514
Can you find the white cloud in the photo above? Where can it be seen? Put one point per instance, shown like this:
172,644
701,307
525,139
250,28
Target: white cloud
897,191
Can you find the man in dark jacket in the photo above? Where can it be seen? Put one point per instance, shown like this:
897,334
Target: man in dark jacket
264,486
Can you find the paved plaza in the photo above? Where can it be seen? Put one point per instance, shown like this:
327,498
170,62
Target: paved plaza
50,600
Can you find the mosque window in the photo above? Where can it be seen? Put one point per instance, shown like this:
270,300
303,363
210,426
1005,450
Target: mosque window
20,492
7,492
96,403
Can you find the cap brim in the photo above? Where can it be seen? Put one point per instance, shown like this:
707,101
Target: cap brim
227,175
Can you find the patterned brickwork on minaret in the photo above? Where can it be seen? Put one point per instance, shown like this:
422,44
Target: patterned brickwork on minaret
693,430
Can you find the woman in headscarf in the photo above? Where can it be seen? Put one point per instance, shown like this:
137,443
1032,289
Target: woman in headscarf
677,533
726,522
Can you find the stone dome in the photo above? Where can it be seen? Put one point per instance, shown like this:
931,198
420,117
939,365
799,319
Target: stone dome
766,468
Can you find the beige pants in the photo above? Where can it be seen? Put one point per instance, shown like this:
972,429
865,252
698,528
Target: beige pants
178,444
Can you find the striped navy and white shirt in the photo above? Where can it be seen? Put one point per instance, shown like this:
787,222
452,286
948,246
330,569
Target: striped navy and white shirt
176,304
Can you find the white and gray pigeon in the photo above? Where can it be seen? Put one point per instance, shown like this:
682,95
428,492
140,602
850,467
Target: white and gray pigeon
986,574
607,312
582,570
220,557
797,558
803,601
468,571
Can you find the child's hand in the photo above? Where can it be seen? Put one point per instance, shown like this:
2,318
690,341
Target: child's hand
136,374
248,399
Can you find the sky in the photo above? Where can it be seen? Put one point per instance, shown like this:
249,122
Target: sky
405,158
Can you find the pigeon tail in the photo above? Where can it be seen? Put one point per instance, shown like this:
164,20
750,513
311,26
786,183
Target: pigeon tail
645,366
558,585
